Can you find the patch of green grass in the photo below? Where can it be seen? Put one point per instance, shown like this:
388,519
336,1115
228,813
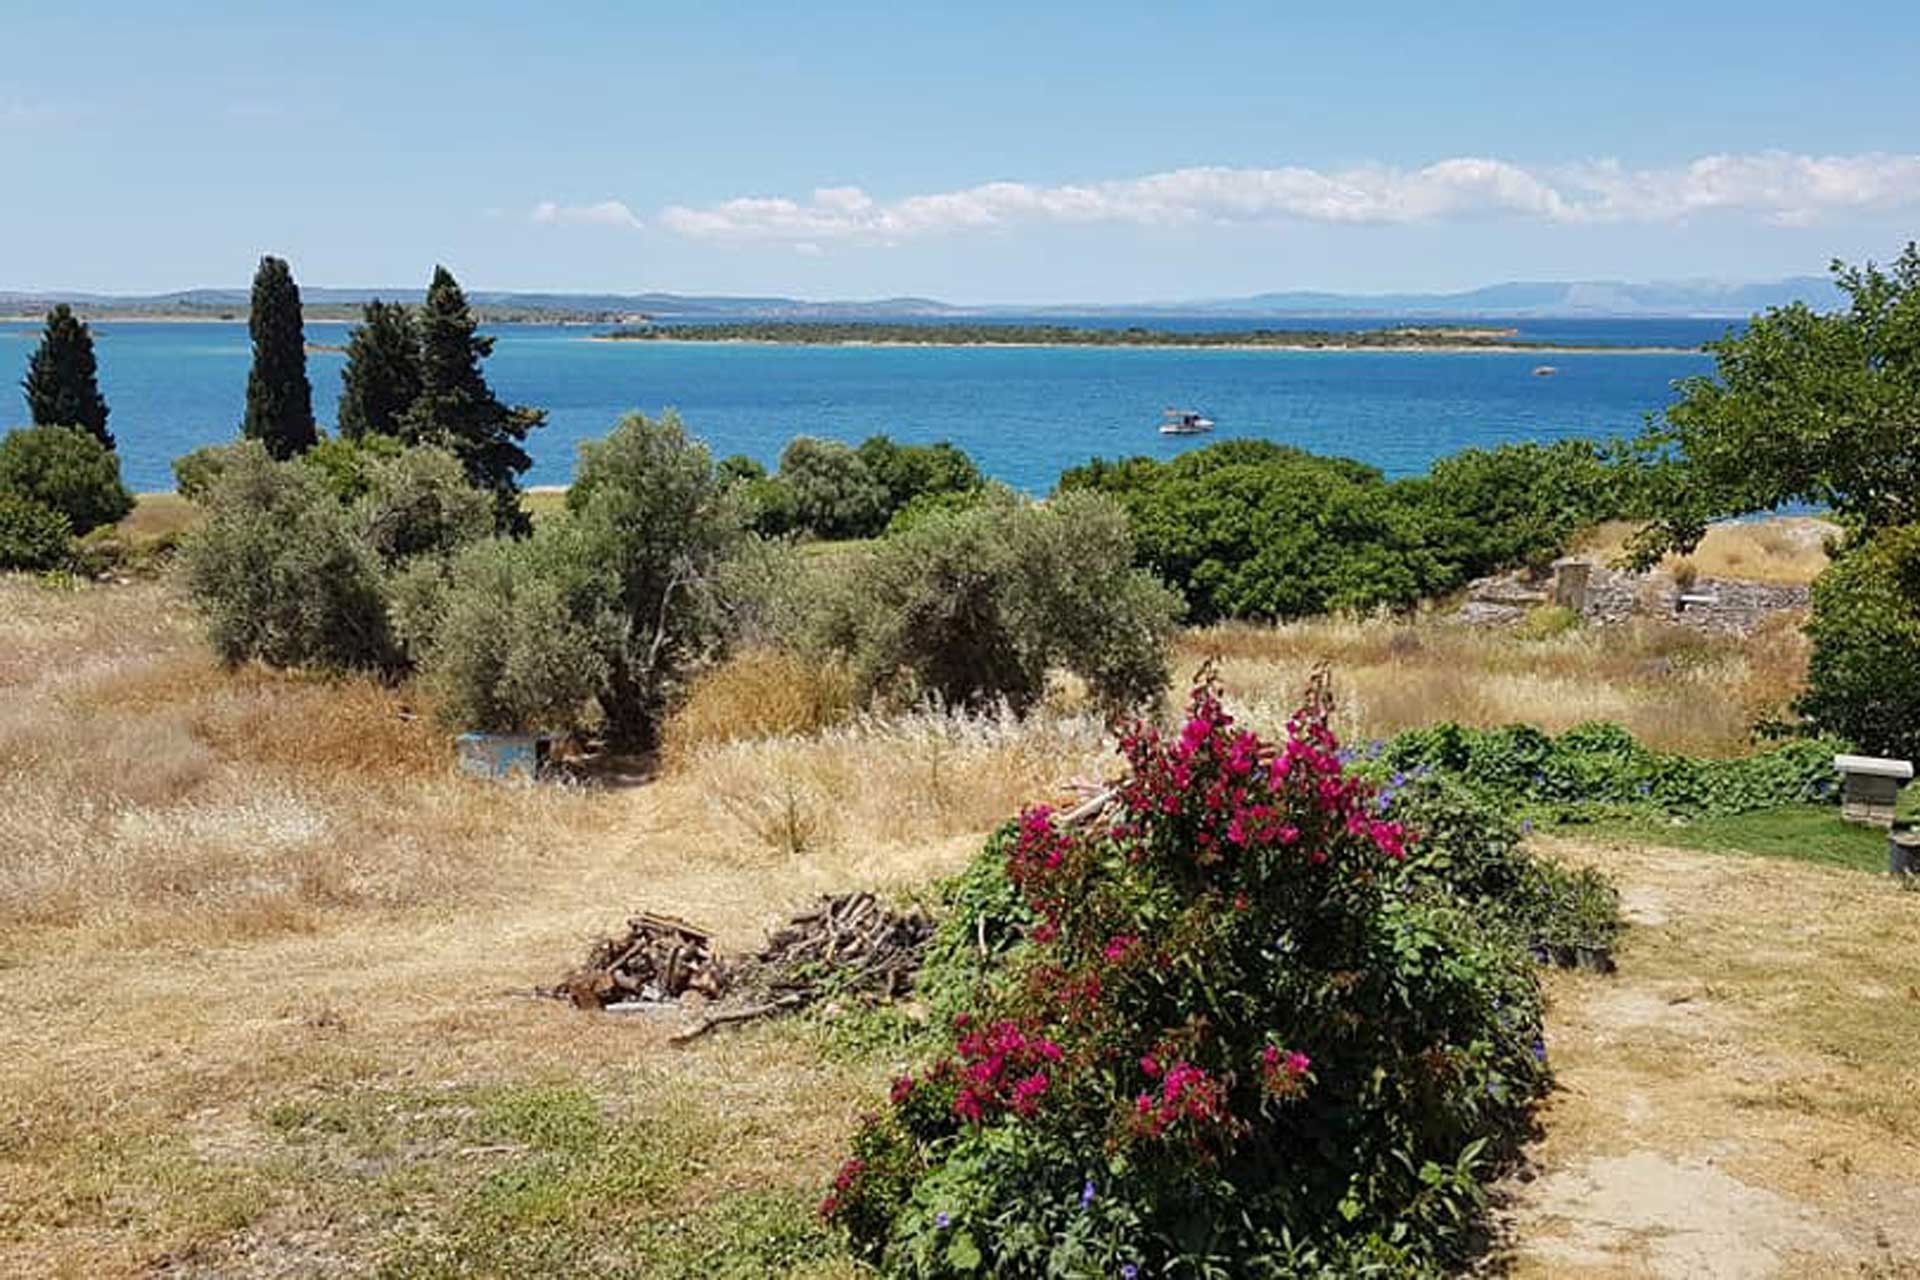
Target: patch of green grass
547,1178
1803,833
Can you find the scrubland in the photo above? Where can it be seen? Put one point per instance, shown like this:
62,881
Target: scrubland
265,957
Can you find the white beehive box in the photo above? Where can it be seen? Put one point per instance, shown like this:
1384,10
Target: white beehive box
1870,787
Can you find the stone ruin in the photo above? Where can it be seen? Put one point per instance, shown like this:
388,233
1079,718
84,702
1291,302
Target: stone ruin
1603,597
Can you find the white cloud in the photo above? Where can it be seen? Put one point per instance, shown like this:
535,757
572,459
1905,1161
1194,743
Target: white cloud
1778,186
607,213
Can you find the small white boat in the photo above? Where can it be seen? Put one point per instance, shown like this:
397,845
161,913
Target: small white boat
1185,422
1544,371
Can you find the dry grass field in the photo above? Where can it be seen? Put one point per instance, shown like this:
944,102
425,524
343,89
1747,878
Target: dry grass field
260,948
1789,549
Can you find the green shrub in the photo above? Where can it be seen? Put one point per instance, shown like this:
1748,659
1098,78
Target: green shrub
1472,855
974,607
33,537
833,493
65,469
1519,504
1597,769
906,472
415,502
281,573
196,473
344,463
1249,529
1863,675
507,646
647,507
1226,1045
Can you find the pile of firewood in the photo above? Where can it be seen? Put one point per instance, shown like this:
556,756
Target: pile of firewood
847,944
658,958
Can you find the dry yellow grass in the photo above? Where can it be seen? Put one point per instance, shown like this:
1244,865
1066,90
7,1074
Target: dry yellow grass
151,795
256,945
761,693
1787,549
1676,690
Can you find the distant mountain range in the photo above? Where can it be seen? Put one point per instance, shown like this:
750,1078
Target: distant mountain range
1575,298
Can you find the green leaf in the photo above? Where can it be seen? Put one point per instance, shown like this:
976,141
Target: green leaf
963,1253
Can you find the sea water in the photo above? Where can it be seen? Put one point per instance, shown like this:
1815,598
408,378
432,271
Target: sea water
1025,413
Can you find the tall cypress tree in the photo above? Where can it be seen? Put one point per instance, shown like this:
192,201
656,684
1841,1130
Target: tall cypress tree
382,377
458,410
279,397
63,382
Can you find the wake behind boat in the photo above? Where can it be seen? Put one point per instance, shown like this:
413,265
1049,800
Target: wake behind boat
1185,422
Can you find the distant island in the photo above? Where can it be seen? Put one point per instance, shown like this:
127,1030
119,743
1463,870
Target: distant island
879,334
1497,303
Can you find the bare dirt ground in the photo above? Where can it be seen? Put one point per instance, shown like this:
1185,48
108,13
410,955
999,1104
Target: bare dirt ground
1743,1098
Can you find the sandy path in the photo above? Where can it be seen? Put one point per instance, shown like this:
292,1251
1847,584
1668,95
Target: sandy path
1743,1098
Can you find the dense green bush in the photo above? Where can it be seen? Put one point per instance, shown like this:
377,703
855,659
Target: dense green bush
834,494
827,489
344,462
1519,504
1249,529
599,616
65,469
1469,853
1863,677
1225,1037
281,573
32,536
517,637
196,473
415,502
1596,768
974,607
906,472
648,506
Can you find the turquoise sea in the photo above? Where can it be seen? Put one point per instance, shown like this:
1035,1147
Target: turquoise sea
1024,413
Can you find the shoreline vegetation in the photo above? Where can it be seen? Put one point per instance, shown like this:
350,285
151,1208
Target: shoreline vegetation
1440,338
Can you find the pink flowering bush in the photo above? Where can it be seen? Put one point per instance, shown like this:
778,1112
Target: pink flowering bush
1213,1033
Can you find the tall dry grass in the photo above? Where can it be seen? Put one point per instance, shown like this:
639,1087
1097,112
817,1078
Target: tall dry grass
1785,549
760,693
912,779
1675,689
149,794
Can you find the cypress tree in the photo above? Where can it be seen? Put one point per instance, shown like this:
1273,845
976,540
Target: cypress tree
62,382
382,377
279,397
458,410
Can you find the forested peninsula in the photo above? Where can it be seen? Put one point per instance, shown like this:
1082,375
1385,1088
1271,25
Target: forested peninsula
972,334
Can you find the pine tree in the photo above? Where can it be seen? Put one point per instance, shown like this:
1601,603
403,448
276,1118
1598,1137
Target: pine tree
458,410
62,382
382,377
279,397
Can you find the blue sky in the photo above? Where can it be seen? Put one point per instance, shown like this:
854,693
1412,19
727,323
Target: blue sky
986,152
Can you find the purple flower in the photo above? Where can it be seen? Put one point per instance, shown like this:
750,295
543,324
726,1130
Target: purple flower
941,1220
1526,825
1128,1271
1539,1049
1086,1194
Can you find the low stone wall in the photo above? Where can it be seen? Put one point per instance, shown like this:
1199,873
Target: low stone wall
1727,605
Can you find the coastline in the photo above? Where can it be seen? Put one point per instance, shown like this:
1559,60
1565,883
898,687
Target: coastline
1459,348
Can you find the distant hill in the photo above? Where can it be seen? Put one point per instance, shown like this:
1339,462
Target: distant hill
1597,298
1565,298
